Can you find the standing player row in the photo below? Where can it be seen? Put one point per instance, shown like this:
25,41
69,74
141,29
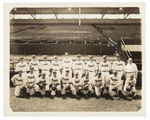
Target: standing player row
78,66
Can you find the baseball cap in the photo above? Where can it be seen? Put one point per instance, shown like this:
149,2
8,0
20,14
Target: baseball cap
78,55
31,67
67,70
66,53
130,59
104,56
44,56
117,55
54,72
99,72
91,56
76,73
21,58
55,56
33,56
132,75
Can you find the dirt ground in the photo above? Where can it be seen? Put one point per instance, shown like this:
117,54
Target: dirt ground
71,105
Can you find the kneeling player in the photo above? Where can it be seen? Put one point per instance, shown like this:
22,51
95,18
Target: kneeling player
129,87
76,85
40,86
115,87
86,86
19,82
31,82
55,84
65,82
98,85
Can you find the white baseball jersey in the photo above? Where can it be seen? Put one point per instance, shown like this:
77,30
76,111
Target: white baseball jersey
118,66
76,81
35,65
84,81
45,65
22,67
56,66
41,79
17,80
129,68
54,80
78,65
67,63
105,66
98,82
31,78
114,80
66,79
91,66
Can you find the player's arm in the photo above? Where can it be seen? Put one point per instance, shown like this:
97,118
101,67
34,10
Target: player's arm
113,66
109,66
99,67
123,66
17,68
83,67
136,70
13,79
96,68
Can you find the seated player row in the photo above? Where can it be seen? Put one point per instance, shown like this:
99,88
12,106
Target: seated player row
107,81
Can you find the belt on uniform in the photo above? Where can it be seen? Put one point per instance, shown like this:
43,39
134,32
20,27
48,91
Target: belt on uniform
91,71
119,70
44,70
78,69
31,82
105,71
113,84
130,72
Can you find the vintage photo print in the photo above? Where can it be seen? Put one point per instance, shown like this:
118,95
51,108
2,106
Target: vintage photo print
74,58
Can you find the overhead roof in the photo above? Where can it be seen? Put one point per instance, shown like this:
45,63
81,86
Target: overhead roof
84,10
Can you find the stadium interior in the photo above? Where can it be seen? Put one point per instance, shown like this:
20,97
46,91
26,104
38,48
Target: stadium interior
85,31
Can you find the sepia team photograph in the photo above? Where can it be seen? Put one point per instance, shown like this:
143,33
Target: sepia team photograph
75,58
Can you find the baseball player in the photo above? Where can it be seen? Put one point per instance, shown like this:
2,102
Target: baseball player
98,84
115,85
91,68
129,87
131,68
79,66
35,65
104,68
40,86
54,84
56,66
86,85
19,82
22,66
30,84
76,85
67,64
119,66
45,66
65,82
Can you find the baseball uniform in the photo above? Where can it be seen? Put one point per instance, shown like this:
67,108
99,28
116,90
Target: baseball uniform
98,84
31,79
105,67
19,82
79,67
